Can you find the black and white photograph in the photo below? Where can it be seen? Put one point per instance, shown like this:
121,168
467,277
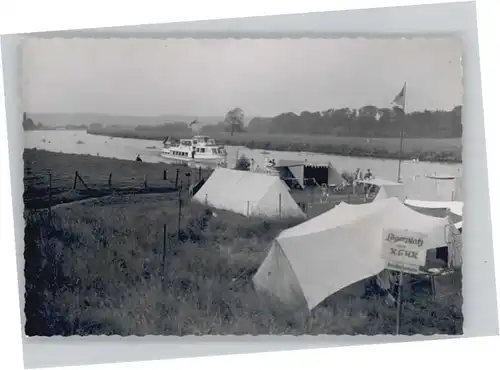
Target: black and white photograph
242,186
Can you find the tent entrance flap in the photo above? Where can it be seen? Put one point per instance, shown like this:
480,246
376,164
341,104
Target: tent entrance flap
317,174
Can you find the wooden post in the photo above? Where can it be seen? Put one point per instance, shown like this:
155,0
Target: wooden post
206,199
398,312
199,173
164,246
279,205
109,179
81,180
177,178
248,208
179,217
164,174
74,181
50,197
146,180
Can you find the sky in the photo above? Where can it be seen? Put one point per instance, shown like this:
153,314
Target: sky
264,77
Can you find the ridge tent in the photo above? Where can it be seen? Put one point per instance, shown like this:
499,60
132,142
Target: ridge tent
313,260
248,193
387,189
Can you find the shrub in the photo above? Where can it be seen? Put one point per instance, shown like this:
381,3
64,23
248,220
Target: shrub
243,164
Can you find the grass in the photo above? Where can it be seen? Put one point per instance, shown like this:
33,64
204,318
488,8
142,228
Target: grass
96,268
425,149
127,177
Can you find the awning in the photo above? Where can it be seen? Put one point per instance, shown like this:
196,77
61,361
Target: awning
292,163
441,177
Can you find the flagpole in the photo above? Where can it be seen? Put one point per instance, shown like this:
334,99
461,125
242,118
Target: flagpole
401,134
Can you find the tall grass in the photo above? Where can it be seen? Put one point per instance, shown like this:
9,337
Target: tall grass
96,268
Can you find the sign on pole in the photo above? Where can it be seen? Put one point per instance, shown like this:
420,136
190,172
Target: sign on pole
404,250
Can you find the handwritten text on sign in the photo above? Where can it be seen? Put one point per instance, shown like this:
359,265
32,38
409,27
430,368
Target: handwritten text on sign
404,247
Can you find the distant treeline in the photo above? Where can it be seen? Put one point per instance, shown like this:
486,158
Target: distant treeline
174,128
368,121
30,125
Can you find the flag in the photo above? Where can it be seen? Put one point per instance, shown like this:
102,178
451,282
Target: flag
192,123
401,97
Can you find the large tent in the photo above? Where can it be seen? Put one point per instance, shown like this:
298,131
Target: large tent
309,262
248,193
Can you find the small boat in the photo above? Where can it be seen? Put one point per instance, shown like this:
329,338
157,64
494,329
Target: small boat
200,150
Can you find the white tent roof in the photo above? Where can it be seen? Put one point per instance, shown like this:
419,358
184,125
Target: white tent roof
387,189
381,182
390,191
340,247
433,189
455,207
248,193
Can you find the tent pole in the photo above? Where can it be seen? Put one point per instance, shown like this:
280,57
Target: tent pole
402,134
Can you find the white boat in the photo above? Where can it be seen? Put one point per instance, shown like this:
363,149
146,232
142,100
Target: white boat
200,150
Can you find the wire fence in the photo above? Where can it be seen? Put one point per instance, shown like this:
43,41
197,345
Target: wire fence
48,188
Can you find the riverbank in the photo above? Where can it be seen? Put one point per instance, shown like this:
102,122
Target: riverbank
422,149
75,177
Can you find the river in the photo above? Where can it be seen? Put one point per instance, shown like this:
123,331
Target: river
80,142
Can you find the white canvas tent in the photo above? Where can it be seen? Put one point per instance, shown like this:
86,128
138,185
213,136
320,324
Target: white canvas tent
309,262
248,193
435,188
387,189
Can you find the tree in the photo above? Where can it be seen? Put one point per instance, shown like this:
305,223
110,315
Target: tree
243,163
235,120
28,123
95,126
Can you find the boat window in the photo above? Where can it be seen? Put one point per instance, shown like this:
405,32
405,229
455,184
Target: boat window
214,151
197,150
202,150
195,142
